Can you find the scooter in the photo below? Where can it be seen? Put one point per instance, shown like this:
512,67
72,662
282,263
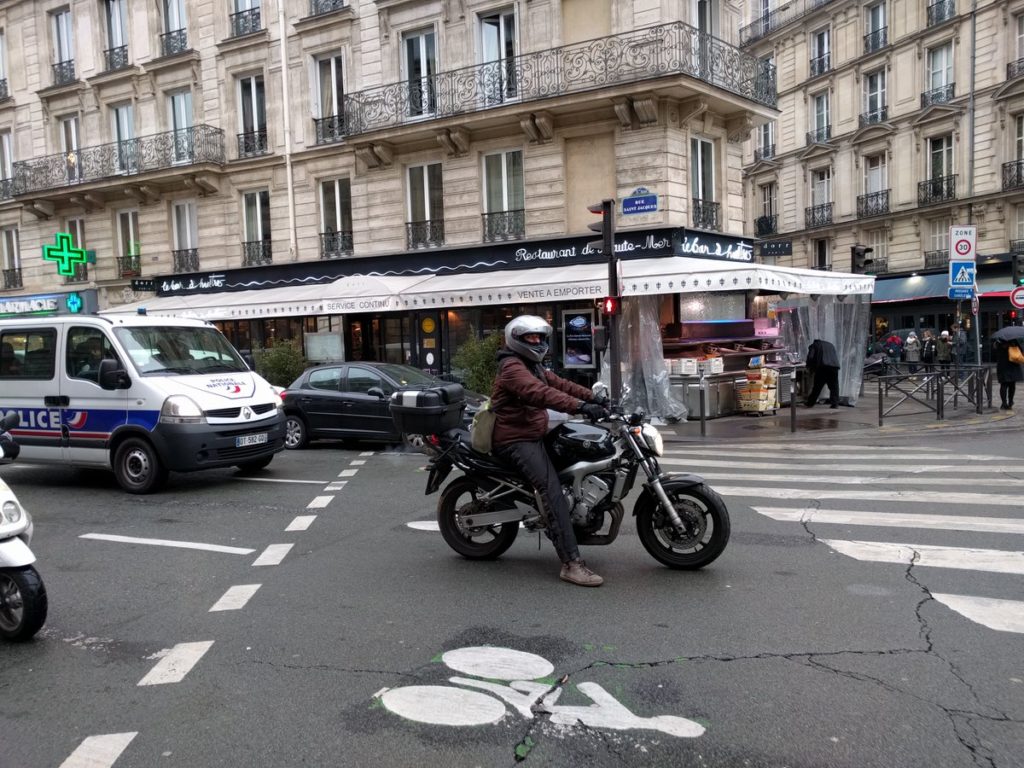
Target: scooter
22,594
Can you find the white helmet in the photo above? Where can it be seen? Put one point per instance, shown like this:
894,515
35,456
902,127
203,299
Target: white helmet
522,325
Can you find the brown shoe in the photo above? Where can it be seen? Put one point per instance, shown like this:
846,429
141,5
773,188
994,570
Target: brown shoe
576,572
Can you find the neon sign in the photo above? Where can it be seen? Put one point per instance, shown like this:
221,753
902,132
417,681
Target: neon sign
65,254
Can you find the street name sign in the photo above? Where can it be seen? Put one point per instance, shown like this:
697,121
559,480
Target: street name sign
960,294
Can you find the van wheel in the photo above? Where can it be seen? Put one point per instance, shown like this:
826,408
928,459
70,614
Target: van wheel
137,467
256,464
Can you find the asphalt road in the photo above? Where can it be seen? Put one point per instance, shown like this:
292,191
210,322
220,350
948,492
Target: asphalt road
791,650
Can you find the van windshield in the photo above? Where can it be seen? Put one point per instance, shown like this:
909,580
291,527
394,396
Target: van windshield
180,350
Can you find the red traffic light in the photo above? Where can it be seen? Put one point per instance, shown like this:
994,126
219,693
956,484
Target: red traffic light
610,305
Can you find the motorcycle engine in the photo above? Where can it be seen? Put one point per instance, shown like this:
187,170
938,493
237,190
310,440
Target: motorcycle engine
593,490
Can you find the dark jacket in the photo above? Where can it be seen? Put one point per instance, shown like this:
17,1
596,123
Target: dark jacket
1005,370
523,391
822,354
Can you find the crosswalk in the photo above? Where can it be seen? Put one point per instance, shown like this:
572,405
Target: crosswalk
915,483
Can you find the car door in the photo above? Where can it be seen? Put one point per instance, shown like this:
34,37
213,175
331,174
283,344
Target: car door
322,400
28,385
89,413
366,414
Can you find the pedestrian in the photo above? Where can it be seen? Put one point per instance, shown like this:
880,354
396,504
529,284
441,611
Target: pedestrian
523,391
944,351
928,351
823,362
912,352
894,348
1007,372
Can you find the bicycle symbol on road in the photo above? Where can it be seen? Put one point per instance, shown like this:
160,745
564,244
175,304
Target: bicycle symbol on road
443,705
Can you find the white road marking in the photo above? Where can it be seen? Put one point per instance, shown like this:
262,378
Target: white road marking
888,467
1000,615
357,462
367,453
424,525
167,543
440,705
959,558
895,519
810,448
347,472
99,751
956,482
173,667
320,502
273,554
278,480
301,523
934,497
235,598
337,485
906,455
497,663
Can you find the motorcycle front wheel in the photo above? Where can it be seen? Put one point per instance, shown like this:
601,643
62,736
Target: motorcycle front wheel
22,603
707,527
462,498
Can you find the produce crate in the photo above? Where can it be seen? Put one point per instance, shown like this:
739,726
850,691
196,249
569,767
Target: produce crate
428,411
757,399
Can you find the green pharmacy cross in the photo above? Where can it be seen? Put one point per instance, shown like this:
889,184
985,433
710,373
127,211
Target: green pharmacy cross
65,254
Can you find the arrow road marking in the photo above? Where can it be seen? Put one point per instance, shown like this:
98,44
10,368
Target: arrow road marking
178,662
168,543
959,558
99,751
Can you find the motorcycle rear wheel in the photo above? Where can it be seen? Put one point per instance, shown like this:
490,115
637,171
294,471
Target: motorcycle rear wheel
461,497
706,517
22,603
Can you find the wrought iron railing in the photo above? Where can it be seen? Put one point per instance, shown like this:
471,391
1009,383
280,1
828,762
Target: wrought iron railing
116,58
130,265
1015,69
820,64
878,266
329,129
1017,246
643,54
7,188
876,40
764,152
246,22
424,234
936,190
188,146
936,259
872,204
12,278
334,245
504,225
1013,174
185,260
818,215
766,225
820,135
64,72
941,11
80,275
939,95
822,266
320,7
252,143
879,115
707,214
174,42
4,93
778,18
256,253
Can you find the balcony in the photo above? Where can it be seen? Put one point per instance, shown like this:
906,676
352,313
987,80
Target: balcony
631,57
791,11
940,95
4,93
941,11
876,40
819,135
707,214
257,253
185,260
504,225
320,7
12,279
764,152
1017,246
820,65
130,265
937,190
879,115
936,259
766,225
245,22
173,43
818,215
253,143
1013,174
335,245
170,149
329,129
81,274
1015,69
115,58
878,266
873,204
424,234
64,72
825,266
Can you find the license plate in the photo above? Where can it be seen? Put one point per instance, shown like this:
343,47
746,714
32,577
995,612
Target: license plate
250,440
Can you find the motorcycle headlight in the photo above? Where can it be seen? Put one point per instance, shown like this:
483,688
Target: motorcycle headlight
11,512
179,409
652,439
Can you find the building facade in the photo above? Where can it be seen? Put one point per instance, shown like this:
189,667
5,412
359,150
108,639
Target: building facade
897,119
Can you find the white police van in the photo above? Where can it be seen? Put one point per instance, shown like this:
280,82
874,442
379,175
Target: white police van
140,395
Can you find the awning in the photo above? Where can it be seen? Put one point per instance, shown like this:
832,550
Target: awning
934,286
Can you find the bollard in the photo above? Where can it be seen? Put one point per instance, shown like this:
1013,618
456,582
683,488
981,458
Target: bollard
977,391
792,400
940,405
703,406
881,407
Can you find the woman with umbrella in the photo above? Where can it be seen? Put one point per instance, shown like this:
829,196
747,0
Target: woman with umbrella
1006,347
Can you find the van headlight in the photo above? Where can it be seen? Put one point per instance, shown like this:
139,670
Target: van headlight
278,402
652,439
179,409
11,512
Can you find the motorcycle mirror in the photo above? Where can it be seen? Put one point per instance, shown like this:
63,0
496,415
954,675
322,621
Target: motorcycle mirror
11,420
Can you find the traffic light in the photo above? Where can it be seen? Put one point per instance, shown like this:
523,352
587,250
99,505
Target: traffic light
611,305
606,226
1018,269
859,259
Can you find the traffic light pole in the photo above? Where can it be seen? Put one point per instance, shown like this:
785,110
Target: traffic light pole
608,236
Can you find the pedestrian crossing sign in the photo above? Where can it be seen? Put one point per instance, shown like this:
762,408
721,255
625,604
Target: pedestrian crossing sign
961,274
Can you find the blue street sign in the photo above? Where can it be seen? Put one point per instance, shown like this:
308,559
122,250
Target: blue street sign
640,204
961,274
960,294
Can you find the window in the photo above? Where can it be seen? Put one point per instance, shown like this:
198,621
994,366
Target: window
326,378
766,139
874,95
335,217
503,181
256,207
9,249
122,118
252,116
69,145
1019,37
822,115
769,199
498,46
940,66
821,186
246,18
330,90
426,193
180,107
820,58
876,17
820,255
174,15
420,69
875,174
28,354
1018,138
128,233
1020,221
3,65
940,157
878,241
86,347
186,228
76,228
702,169
63,36
361,380
117,23
6,156
938,234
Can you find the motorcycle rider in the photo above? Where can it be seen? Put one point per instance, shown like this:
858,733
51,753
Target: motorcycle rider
523,391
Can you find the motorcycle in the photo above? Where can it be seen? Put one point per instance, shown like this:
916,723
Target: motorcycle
681,522
22,594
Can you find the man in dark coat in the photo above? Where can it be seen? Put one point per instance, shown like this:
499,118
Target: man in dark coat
823,362
1008,373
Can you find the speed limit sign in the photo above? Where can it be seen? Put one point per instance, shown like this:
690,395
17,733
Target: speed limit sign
964,240
1017,297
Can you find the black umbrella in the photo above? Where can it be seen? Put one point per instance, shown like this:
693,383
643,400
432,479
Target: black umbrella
1009,333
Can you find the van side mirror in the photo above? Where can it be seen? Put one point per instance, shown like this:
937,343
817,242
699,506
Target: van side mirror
249,360
110,376
376,392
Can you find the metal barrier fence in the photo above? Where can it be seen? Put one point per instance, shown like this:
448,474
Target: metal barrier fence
932,390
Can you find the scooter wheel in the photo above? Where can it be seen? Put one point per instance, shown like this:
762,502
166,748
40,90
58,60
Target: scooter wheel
22,603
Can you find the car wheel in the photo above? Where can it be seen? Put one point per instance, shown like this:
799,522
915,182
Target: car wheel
296,435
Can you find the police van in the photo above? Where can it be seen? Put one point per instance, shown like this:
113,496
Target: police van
141,395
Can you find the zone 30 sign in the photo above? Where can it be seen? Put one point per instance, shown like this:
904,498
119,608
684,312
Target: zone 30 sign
963,243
